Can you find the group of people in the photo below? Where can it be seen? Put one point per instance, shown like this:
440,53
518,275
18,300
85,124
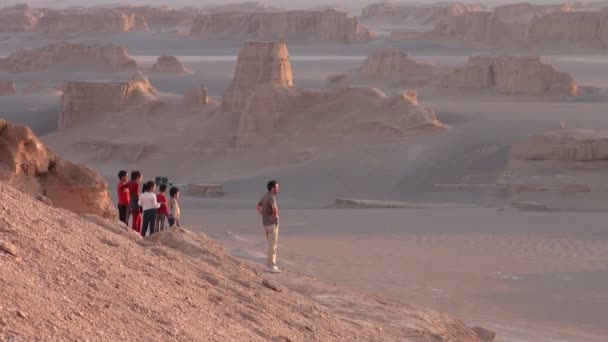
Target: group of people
149,211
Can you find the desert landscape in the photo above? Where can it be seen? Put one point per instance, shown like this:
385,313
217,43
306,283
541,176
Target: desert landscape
441,166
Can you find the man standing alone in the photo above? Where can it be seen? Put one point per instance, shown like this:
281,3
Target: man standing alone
267,208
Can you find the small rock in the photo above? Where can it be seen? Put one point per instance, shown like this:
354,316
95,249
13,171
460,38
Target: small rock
484,334
44,200
8,248
21,314
271,285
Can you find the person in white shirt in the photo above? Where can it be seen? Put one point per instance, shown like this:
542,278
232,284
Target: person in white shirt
148,202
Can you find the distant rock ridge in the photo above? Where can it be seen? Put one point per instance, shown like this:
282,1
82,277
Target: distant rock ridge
312,26
83,99
588,30
511,75
28,165
523,12
99,21
415,14
68,55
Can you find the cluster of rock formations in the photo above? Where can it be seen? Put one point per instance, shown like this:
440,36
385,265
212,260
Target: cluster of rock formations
327,26
81,100
28,165
415,14
262,92
565,145
169,65
547,26
511,75
388,66
68,55
7,88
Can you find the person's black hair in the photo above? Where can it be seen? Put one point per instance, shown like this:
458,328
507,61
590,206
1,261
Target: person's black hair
121,174
149,185
174,190
135,175
271,184
162,188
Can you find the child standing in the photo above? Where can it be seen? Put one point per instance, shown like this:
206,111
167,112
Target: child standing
148,202
123,196
163,211
174,212
134,194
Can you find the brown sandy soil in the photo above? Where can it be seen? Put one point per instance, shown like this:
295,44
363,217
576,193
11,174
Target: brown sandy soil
69,277
527,276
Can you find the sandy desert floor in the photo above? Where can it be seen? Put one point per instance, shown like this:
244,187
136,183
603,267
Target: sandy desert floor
540,276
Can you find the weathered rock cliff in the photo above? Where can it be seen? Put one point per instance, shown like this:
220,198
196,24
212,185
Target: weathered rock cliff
31,167
83,99
565,144
511,75
68,55
327,26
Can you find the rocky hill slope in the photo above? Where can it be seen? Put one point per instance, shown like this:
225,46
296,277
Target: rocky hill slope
70,277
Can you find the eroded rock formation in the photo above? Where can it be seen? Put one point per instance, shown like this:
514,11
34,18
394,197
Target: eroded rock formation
415,14
564,144
19,18
99,21
565,29
327,26
7,87
523,12
68,55
511,75
169,65
389,66
258,63
84,99
159,17
31,167
196,96
263,94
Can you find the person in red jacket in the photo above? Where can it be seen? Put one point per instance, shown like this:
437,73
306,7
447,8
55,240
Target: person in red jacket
123,197
134,193
162,213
